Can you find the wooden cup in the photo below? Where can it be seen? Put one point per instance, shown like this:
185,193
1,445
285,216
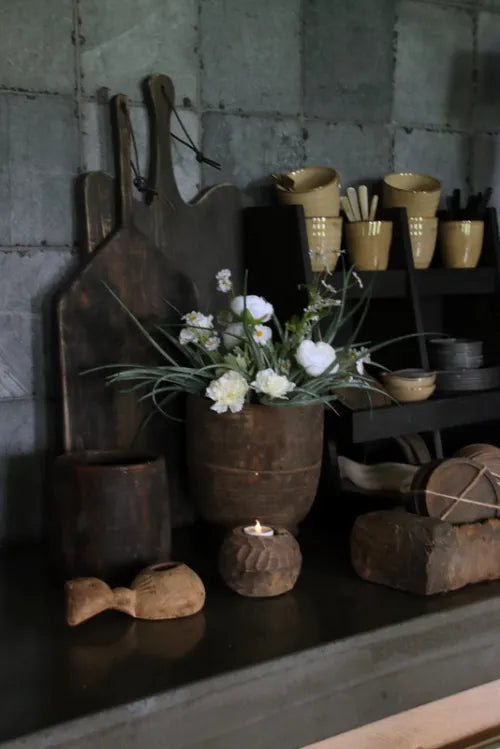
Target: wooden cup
324,235
423,236
316,189
418,193
461,243
368,244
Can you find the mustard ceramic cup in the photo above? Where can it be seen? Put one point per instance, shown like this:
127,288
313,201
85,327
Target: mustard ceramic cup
324,237
418,193
423,236
461,243
368,244
316,188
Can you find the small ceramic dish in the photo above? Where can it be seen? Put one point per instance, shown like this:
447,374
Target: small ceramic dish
407,385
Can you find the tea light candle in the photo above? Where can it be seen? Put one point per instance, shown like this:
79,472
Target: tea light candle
258,530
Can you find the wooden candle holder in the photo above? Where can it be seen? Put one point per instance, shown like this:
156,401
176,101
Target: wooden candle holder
258,566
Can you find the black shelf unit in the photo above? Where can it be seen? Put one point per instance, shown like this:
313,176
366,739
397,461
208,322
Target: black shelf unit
278,262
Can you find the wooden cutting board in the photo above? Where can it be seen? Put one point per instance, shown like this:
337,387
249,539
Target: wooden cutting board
195,241
95,331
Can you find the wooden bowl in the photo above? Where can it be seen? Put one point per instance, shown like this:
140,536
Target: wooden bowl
324,236
418,193
461,243
423,236
368,244
316,188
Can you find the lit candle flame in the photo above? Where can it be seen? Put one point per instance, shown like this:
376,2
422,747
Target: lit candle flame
257,527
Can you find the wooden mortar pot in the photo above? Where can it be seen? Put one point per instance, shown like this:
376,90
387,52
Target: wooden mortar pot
368,244
261,463
461,243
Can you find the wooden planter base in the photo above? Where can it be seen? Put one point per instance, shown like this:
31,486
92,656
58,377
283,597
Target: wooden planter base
424,555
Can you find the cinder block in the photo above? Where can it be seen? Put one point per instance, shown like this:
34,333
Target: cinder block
250,149
486,166
22,443
487,109
441,155
362,154
126,40
348,59
39,163
23,368
37,51
434,65
250,55
30,277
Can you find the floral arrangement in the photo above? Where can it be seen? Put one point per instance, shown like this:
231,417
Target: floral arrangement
247,355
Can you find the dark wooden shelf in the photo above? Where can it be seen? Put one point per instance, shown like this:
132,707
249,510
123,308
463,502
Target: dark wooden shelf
393,284
410,418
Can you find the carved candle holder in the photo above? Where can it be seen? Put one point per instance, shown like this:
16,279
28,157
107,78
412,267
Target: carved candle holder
258,566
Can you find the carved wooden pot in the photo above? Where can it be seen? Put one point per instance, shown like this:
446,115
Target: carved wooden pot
261,463
110,514
259,566
167,590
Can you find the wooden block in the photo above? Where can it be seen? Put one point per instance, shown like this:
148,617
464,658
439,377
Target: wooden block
424,555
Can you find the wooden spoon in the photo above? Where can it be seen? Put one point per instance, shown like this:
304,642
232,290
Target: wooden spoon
353,200
363,201
284,181
373,208
346,206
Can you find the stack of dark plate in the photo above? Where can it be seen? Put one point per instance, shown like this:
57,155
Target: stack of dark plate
459,366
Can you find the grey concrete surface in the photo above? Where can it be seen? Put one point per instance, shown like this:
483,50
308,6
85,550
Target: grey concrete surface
364,86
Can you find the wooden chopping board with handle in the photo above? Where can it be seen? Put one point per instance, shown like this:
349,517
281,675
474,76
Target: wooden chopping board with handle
95,331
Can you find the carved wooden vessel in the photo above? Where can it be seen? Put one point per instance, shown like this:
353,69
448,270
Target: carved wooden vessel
167,590
257,566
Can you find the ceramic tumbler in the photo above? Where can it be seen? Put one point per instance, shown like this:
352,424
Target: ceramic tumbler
324,237
418,193
423,235
461,243
316,189
368,244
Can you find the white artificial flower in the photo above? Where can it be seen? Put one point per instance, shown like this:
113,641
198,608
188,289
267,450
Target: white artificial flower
268,382
212,343
262,334
224,282
316,357
257,307
187,335
198,320
233,335
227,392
362,357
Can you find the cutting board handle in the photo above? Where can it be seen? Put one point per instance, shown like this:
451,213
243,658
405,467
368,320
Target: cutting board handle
160,93
121,124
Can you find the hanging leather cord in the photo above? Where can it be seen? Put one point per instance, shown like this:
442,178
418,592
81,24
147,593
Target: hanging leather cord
200,156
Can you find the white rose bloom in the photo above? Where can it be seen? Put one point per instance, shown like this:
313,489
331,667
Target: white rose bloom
257,307
316,357
233,335
262,334
187,335
228,392
270,383
198,320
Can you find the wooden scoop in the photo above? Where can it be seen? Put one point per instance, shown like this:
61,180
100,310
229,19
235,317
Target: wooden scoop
167,590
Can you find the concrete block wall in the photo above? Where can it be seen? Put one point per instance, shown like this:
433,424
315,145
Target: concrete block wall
367,86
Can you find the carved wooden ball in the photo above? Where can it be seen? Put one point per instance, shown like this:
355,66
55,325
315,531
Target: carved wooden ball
260,566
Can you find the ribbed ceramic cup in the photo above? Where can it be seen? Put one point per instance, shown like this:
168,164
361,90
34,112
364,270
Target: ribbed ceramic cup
368,244
461,243
316,188
418,193
324,237
423,236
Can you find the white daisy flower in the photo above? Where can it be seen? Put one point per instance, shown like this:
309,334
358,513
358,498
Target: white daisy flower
262,334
